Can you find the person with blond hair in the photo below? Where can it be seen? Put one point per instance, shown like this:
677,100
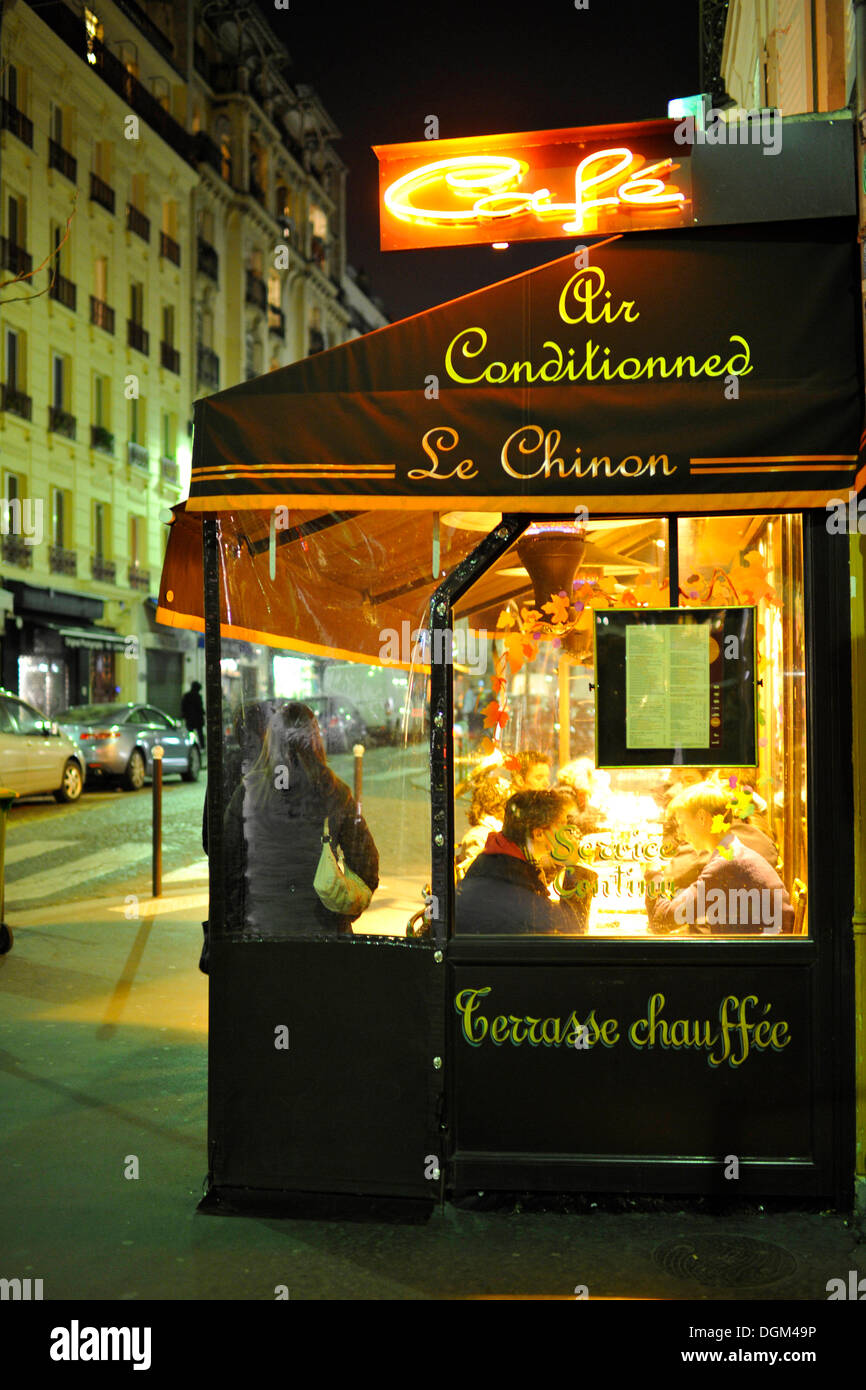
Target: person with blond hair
737,892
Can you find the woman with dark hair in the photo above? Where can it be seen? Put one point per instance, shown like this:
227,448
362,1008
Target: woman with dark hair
274,824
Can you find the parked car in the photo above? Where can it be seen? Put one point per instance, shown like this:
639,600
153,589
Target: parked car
339,720
117,742
35,756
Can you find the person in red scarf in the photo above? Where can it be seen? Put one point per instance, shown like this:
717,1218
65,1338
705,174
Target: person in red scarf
505,889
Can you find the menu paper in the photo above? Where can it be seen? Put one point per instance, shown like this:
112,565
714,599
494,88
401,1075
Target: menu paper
667,685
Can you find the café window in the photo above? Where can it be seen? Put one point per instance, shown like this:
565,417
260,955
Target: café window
689,820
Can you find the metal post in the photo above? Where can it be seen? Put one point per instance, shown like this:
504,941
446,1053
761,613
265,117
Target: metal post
157,821
6,799
358,750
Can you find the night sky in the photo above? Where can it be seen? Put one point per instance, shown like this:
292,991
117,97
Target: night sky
482,68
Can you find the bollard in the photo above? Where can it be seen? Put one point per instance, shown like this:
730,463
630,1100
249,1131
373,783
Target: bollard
157,820
358,750
6,799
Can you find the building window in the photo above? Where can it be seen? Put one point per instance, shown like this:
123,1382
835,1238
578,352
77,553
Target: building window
59,381
169,433
14,374
100,278
11,487
168,324
57,124
136,541
226,158
93,29
102,401
10,85
137,420
100,530
136,302
58,517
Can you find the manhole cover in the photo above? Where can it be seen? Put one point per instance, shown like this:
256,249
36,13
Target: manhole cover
725,1261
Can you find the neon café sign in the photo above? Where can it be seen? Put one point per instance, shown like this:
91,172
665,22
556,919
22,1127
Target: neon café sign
538,185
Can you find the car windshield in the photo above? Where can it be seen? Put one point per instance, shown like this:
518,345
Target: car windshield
82,714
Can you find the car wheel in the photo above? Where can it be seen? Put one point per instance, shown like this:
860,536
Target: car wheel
70,787
191,774
133,778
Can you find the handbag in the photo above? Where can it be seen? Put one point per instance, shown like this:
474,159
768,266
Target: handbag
338,888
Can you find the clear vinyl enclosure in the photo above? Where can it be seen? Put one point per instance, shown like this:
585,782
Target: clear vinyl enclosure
325,665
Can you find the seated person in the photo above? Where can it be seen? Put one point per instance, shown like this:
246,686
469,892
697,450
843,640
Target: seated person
485,814
533,772
504,890
736,891
687,863
581,780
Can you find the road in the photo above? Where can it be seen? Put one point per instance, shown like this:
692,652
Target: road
101,844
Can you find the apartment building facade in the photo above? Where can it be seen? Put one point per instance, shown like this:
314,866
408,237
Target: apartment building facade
172,216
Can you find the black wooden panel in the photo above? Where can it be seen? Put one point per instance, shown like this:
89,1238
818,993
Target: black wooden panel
352,1104
634,1101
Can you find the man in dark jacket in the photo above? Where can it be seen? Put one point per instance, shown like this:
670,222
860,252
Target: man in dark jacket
505,891
192,711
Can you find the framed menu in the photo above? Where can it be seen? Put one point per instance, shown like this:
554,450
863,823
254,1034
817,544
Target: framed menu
675,686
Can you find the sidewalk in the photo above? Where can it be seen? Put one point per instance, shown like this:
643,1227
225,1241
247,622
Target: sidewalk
103,1073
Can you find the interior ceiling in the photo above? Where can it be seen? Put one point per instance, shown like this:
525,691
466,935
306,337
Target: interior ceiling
384,553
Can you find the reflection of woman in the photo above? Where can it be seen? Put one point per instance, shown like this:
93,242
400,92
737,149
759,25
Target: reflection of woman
273,834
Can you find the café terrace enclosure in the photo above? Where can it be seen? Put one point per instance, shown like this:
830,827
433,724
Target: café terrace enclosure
644,376
712,373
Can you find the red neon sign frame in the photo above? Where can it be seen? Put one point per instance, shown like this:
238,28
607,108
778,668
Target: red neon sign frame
533,186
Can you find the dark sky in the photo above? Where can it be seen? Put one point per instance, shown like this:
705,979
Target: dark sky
482,68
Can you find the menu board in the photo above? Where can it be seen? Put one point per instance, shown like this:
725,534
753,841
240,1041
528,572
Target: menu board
675,686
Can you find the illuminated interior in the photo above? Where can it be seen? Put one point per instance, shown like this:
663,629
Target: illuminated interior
539,698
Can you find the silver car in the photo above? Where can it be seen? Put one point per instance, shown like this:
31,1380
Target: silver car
35,757
117,742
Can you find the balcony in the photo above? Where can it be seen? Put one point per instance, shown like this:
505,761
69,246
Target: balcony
16,551
61,160
62,290
137,222
14,402
208,368
61,422
207,260
138,579
169,248
101,568
101,439
62,561
101,193
13,119
137,456
137,337
70,29
276,321
101,314
14,258
207,152
169,471
256,293
169,358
